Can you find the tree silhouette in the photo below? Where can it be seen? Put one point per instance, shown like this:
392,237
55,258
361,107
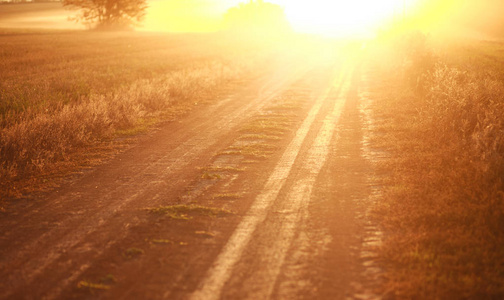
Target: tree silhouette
257,16
108,14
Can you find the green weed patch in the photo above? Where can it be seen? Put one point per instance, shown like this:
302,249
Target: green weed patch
186,212
133,253
95,286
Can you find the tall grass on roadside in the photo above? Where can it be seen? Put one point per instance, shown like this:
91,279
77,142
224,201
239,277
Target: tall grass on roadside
44,70
35,141
443,207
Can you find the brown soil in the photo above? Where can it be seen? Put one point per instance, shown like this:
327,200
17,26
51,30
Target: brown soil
262,194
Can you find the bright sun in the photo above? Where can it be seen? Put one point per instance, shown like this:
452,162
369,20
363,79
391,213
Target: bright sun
342,18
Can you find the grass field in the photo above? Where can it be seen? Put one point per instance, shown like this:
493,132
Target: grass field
61,91
439,111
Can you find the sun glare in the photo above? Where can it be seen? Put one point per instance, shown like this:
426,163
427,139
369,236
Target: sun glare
343,18
325,17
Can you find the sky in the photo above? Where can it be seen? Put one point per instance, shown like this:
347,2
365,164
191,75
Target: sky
338,17
187,15
327,17
315,16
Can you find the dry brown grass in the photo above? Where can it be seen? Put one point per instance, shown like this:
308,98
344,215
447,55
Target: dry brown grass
60,93
443,205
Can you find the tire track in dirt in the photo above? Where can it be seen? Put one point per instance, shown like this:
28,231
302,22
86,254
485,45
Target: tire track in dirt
333,253
288,213
262,281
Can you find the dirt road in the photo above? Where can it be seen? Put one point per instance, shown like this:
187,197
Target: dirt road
261,195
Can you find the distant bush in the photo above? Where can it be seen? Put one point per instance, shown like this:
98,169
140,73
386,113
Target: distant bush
418,57
257,17
108,14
